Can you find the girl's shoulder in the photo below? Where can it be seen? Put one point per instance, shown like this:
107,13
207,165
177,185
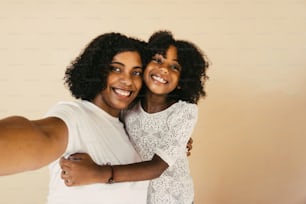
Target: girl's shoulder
183,113
183,105
183,108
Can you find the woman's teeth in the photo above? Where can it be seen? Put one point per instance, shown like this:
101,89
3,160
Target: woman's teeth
122,92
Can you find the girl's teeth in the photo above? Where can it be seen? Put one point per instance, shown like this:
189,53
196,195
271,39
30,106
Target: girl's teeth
157,78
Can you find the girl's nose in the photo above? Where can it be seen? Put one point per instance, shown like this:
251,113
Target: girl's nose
164,68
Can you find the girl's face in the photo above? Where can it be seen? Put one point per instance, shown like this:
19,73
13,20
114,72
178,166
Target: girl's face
162,74
123,83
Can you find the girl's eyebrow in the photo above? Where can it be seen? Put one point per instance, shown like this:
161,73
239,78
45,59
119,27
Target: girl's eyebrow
164,56
175,60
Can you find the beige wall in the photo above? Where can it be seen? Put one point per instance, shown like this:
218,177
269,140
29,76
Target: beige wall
250,139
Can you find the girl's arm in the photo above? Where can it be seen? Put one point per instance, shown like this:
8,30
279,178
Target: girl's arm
80,169
28,145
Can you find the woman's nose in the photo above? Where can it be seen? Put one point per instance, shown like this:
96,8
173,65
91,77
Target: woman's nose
126,79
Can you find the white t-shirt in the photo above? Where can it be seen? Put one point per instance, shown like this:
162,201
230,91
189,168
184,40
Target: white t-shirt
93,131
166,134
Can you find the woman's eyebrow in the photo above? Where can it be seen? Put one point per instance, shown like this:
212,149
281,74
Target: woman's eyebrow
119,63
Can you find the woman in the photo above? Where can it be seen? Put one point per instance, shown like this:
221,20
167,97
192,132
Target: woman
106,77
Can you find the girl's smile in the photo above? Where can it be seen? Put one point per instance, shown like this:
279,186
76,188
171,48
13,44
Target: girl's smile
163,72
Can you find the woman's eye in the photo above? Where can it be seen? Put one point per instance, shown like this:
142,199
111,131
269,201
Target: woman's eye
137,73
115,69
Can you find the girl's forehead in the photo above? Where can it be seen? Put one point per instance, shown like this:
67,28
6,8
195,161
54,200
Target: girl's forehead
171,52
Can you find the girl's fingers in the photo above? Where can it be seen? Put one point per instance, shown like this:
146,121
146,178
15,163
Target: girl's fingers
64,163
77,156
65,174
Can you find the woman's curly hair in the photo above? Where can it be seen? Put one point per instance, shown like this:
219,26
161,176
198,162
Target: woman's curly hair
87,75
194,65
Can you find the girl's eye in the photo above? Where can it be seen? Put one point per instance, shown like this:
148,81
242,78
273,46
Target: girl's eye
157,59
175,67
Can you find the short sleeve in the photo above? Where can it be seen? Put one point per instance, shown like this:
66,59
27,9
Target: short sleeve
66,111
174,138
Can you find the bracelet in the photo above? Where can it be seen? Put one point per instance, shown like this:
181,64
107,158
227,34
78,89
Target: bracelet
111,178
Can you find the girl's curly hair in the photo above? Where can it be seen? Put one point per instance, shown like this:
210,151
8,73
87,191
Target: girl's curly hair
194,65
193,75
87,75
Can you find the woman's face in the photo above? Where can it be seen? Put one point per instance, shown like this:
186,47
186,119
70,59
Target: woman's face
123,83
162,74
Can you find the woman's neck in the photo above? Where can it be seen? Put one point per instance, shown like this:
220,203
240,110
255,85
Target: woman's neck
110,110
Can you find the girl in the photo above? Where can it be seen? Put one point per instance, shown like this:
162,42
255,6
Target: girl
159,125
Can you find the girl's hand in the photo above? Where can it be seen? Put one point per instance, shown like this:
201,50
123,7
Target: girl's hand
189,146
80,169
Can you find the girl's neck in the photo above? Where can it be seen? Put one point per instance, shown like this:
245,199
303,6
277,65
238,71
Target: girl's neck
155,103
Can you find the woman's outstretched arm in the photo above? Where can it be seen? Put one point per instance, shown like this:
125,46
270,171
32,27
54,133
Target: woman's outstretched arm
28,145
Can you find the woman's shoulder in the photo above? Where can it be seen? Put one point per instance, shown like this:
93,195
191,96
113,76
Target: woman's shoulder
65,107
